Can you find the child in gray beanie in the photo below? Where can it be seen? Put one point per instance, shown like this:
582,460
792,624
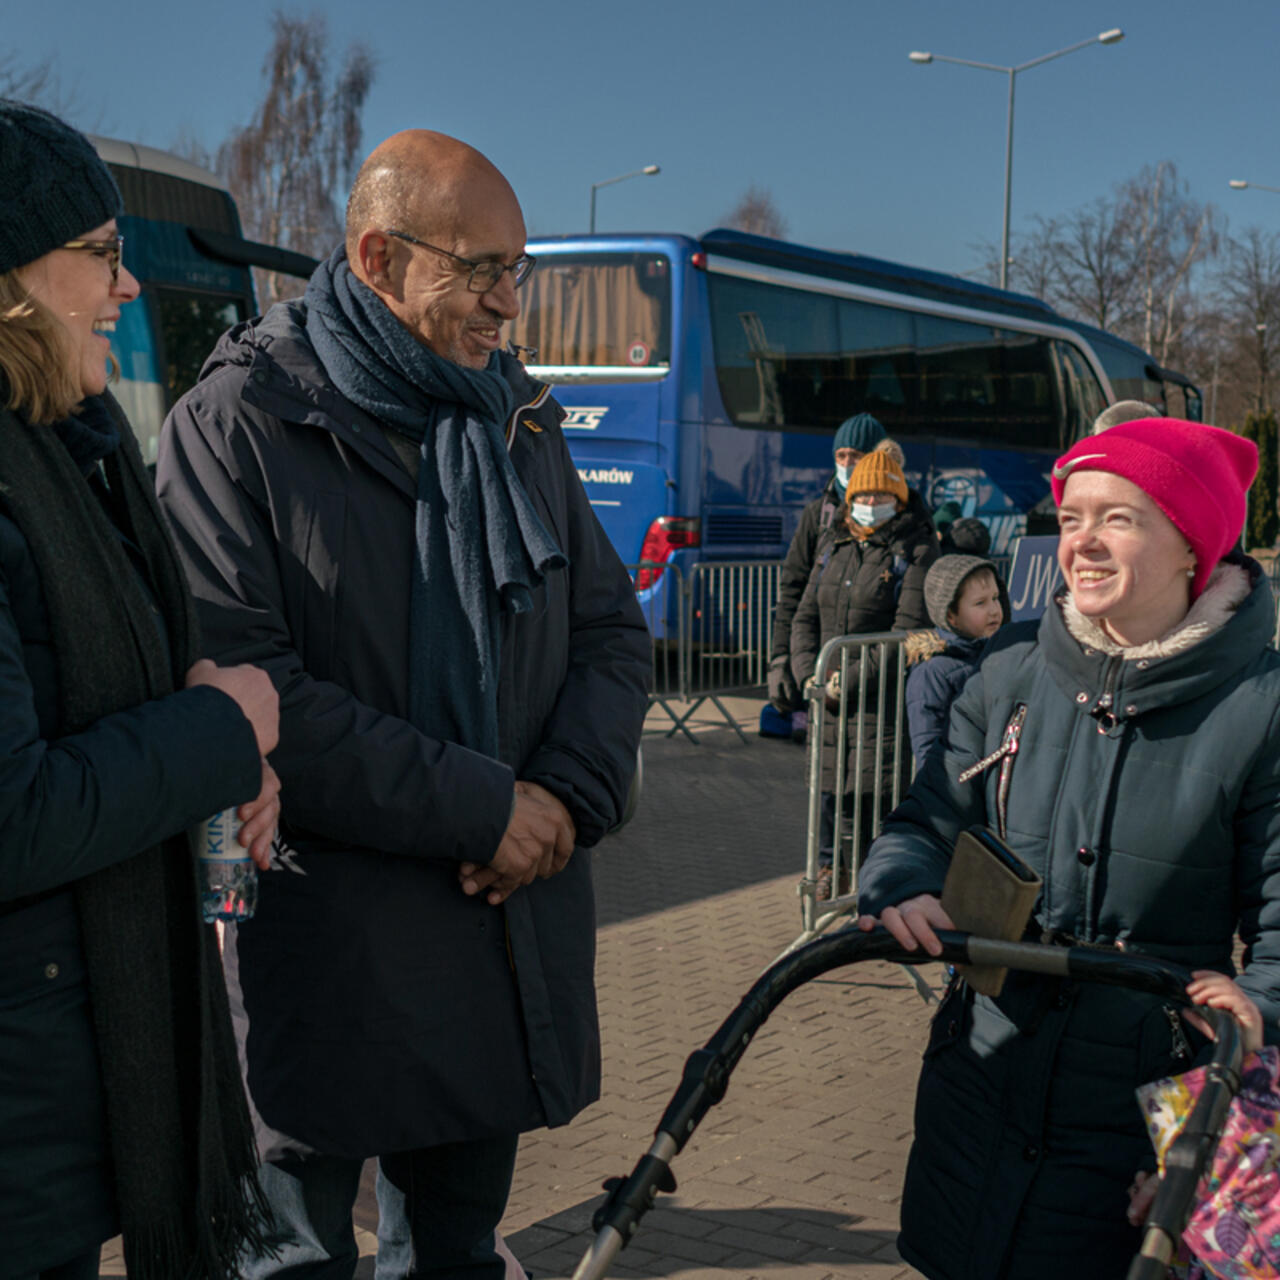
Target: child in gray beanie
964,597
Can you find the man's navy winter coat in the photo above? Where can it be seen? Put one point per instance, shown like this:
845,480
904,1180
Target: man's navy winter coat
1146,793
386,1010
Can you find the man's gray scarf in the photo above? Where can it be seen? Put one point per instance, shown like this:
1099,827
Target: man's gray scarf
178,1127
481,548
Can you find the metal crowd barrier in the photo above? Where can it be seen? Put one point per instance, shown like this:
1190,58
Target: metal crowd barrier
848,734
713,628
730,626
664,614
1272,569
870,732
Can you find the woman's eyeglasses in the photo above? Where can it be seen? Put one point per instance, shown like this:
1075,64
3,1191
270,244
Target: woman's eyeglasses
111,249
484,274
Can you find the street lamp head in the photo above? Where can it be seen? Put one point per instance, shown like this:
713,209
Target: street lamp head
921,57
1238,184
651,169
1114,36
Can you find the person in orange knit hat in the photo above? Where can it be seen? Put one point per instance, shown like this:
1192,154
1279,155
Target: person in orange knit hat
868,577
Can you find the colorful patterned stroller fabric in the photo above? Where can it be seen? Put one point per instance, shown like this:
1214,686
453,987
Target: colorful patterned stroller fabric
1234,1231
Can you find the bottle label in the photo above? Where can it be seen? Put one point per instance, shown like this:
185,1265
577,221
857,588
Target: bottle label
218,841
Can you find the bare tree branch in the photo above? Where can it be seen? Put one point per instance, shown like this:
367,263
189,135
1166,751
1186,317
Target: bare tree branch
39,84
290,168
757,213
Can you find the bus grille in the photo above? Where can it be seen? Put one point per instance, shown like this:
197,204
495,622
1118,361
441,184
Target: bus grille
743,530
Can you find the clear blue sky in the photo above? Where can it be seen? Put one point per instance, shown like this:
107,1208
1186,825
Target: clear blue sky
813,99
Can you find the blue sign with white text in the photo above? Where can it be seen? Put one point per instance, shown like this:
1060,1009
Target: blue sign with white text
1033,577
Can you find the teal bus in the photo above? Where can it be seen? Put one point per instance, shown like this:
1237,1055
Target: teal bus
183,242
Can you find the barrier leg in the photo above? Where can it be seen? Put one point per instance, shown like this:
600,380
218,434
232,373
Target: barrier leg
680,726
724,711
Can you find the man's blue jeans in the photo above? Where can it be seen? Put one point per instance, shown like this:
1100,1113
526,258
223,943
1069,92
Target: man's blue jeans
438,1210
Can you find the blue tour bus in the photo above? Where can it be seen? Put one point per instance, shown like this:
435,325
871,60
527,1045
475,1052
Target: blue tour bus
703,381
182,240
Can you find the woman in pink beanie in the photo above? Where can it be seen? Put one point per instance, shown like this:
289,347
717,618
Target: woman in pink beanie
1145,791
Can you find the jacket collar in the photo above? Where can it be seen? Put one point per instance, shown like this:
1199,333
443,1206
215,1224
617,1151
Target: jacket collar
285,379
1227,589
1219,642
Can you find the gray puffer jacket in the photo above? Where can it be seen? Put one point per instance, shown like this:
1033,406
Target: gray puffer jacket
1146,793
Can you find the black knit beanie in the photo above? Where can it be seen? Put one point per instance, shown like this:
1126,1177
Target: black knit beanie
55,188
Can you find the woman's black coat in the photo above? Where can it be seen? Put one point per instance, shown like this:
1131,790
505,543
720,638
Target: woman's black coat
71,804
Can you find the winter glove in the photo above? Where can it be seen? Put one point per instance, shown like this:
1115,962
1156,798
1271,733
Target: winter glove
783,692
830,694
833,693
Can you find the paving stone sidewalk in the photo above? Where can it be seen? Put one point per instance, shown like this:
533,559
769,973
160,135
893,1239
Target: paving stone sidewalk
796,1175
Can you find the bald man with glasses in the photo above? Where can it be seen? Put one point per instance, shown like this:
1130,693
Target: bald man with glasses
375,504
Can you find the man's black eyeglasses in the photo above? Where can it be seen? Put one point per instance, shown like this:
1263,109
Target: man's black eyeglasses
111,248
484,275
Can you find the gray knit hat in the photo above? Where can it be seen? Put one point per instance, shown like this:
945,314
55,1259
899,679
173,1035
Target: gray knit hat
55,186
944,582
1123,411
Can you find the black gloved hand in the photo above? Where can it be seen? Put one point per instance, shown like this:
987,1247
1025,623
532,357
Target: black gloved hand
783,691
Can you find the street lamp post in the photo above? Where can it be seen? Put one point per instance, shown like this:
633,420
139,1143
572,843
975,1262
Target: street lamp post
1114,36
647,172
1237,184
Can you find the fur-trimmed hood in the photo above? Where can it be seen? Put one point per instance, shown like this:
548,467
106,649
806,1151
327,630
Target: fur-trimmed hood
920,646
1231,624
1228,588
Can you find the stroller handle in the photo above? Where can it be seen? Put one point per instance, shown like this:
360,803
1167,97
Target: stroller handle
706,1072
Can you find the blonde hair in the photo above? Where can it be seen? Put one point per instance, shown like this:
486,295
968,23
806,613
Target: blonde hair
35,374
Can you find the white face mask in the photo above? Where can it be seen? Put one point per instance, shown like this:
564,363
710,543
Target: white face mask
842,475
872,514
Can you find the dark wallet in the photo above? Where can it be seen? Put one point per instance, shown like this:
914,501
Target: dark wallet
989,892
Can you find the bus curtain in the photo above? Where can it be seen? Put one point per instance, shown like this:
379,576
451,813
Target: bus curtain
597,315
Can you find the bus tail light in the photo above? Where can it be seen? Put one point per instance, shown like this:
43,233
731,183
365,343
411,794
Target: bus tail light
665,535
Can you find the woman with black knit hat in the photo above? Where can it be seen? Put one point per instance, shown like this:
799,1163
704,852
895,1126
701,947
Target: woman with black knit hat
121,1107
1145,791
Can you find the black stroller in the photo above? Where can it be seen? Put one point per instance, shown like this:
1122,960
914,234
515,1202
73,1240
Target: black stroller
707,1071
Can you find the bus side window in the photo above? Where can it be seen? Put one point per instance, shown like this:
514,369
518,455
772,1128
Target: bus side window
190,325
1081,392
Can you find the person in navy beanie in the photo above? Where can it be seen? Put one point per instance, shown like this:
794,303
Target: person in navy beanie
121,1106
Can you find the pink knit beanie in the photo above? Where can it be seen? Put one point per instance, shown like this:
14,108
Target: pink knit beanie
1197,475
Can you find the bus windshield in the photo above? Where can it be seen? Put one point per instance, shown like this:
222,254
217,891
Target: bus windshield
599,310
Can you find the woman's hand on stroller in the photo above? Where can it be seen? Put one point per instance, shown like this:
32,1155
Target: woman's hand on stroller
912,922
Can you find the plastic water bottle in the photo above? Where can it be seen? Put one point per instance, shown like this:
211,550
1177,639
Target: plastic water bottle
228,877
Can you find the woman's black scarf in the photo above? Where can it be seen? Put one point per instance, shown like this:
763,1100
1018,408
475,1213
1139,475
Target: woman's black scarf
481,548
178,1126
